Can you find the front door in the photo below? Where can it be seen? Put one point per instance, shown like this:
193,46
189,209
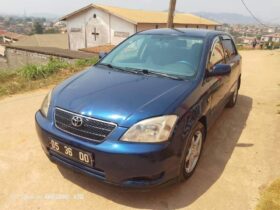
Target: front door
219,84
232,59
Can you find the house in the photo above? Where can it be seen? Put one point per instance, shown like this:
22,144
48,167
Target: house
271,38
96,25
246,40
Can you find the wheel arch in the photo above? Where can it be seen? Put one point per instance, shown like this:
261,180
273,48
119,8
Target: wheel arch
203,120
239,81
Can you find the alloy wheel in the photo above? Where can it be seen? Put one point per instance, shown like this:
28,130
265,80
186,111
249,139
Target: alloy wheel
194,152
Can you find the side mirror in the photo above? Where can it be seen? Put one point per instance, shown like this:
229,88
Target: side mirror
219,70
102,55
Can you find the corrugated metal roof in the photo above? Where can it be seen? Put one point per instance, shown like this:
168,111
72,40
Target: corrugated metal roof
45,40
2,32
12,35
142,16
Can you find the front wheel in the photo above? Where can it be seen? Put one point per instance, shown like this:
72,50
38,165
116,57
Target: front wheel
192,152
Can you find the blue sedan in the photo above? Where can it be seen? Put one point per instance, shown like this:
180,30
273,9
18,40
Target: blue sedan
140,116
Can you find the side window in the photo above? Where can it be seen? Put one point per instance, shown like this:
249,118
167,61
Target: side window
217,55
229,47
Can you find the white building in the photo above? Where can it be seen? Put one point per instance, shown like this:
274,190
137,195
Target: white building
97,25
271,38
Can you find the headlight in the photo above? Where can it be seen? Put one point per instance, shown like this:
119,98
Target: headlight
46,104
152,130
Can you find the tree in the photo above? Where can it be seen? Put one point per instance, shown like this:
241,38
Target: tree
38,28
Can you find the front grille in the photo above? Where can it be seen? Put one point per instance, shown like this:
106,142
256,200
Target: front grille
92,129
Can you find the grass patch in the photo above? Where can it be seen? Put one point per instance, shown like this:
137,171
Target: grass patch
270,198
32,77
86,62
34,72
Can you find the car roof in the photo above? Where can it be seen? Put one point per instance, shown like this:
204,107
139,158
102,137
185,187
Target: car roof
203,33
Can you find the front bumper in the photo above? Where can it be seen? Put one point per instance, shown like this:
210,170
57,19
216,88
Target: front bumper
115,162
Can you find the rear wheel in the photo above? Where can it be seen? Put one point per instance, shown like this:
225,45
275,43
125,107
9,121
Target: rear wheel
192,152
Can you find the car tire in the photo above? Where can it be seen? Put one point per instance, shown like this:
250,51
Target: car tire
233,97
191,158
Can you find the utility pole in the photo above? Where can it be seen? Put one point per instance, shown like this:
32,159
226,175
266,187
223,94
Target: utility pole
172,7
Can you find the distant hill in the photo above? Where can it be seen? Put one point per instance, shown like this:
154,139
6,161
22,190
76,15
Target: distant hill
230,18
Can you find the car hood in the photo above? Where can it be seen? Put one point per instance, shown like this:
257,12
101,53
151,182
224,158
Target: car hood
120,97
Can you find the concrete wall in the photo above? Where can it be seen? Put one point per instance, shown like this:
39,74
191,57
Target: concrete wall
110,28
19,58
3,63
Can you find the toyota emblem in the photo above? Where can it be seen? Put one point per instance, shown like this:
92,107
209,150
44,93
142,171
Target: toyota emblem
77,121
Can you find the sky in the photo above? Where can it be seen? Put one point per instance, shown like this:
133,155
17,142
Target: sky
265,10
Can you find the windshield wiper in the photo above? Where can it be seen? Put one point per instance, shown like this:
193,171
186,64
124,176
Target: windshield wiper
145,71
140,71
111,66
125,69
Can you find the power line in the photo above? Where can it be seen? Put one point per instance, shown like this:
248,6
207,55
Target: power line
253,15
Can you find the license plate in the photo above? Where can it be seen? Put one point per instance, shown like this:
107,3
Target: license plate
71,152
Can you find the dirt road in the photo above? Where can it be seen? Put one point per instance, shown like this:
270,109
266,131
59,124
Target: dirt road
241,155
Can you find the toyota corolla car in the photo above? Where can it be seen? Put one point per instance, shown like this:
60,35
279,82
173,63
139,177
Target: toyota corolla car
139,117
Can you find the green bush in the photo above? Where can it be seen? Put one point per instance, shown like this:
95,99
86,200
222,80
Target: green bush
34,72
86,62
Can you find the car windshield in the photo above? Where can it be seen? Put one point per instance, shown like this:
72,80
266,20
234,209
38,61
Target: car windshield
169,55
